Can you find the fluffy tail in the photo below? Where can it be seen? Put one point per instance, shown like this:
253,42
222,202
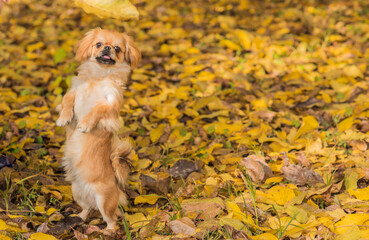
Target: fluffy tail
119,160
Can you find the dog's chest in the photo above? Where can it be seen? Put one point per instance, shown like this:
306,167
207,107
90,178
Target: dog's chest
89,94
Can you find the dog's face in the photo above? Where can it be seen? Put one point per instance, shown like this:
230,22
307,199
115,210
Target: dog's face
107,48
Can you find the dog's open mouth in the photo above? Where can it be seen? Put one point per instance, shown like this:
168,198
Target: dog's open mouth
105,59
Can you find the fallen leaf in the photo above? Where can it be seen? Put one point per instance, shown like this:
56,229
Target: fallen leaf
150,199
121,9
299,175
182,226
41,236
182,168
257,168
203,208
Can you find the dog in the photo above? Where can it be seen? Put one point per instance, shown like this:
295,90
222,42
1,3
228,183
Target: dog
93,157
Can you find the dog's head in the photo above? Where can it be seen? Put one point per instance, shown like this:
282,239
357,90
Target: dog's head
108,48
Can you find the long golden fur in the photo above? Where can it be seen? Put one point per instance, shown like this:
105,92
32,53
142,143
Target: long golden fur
90,113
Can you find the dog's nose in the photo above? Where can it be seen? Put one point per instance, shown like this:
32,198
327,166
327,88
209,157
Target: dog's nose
107,48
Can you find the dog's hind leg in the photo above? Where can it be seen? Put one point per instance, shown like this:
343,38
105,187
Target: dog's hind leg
82,199
107,203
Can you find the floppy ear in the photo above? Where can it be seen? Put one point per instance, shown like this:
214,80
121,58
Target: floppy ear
84,47
132,55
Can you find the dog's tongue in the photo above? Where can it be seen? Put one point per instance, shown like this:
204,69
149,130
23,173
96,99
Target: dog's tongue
106,57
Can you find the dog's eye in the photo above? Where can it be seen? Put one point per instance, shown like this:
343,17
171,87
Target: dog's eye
117,49
98,44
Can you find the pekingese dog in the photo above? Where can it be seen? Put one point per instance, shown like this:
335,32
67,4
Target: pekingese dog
94,155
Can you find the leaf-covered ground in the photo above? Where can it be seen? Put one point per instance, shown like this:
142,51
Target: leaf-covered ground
249,120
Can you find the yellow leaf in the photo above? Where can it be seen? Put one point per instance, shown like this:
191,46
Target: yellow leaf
277,179
352,233
31,122
211,181
281,194
142,164
136,220
190,69
32,47
139,86
4,237
350,220
193,50
50,211
259,104
353,71
176,138
4,227
120,9
235,209
362,194
309,123
59,192
224,128
182,92
300,213
264,236
210,190
205,76
244,37
345,124
226,177
202,102
351,178
229,44
156,133
235,223
335,38
326,97
150,199
41,236
40,209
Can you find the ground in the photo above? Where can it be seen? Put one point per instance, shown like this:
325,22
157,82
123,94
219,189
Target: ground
249,119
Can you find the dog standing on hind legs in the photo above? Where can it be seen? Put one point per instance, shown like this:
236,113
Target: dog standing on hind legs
90,112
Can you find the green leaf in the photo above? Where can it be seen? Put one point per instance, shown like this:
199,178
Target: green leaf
59,56
22,124
210,129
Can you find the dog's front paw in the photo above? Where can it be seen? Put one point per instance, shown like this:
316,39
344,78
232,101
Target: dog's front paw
64,118
85,126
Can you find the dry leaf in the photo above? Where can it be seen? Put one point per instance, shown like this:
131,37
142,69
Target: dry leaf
182,226
299,175
257,168
120,9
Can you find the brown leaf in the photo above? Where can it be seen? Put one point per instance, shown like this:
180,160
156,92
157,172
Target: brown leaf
257,168
182,168
236,234
90,229
79,236
158,182
65,225
301,157
182,226
266,115
358,145
166,133
299,175
149,228
203,208
185,191
43,227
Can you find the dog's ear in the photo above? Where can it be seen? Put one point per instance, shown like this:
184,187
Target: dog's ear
83,48
131,55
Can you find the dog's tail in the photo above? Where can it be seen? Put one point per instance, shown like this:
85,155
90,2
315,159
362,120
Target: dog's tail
120,161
